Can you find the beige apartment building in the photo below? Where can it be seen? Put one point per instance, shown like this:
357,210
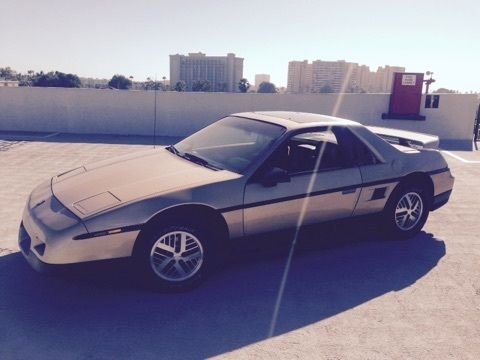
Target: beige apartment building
383,79
259,78
299,77
365,79
338,76
222,72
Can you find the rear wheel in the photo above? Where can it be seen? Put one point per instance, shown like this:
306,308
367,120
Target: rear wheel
406,211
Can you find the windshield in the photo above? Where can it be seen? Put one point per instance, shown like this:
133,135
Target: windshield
232,143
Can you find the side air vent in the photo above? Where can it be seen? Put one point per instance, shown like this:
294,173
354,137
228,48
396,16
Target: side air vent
40,249
379,193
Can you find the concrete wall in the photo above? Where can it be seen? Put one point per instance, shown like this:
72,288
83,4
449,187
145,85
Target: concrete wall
179,114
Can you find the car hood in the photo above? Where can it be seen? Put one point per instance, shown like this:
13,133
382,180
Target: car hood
100,186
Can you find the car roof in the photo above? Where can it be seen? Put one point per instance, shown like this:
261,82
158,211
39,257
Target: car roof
296,120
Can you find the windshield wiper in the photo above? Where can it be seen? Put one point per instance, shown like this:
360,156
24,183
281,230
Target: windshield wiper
172,149
198,160
192,157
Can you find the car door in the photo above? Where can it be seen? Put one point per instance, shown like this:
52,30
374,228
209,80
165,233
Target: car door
378,180
323,184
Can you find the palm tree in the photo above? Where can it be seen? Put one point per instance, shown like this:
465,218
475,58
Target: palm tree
243,85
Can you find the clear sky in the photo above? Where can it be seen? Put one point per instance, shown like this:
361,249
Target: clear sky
97,38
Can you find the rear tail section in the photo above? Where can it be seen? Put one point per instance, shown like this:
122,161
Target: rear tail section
406,138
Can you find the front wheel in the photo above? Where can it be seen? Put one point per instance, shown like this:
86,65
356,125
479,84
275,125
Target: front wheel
406,211
175,257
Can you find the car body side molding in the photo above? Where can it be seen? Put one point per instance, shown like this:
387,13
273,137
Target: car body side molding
323,192
112,231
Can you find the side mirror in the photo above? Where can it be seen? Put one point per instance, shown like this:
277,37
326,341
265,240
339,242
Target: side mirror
274,176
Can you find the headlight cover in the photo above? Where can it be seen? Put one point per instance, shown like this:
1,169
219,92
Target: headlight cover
96,203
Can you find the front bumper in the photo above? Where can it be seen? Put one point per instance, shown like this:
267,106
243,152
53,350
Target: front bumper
47,232
24,242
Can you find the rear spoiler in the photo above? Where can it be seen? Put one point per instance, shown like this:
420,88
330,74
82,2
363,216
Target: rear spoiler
406,138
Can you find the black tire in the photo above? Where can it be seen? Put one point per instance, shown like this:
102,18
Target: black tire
169,235
393,219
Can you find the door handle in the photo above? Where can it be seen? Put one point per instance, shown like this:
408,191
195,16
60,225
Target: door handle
349,191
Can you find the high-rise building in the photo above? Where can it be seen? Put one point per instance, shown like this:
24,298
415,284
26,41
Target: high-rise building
299,77
259,78
222,72
364,79
338,76
384,78
333,76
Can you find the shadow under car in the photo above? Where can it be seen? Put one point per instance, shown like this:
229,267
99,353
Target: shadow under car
97,311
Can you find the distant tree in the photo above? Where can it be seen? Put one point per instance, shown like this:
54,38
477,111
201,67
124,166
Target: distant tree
152,85
201,85
267,87
69,80
206,86
120,82
55,79
7,73
326,89
25,80
197,85
243,85
180,86
445,91
356,89
222,86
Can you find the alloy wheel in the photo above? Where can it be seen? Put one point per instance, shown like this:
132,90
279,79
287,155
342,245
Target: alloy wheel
177,256
409,211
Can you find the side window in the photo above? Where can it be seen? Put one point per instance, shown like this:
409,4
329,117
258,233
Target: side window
360,153
311,151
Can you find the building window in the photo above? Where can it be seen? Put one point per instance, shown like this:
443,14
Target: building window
432,101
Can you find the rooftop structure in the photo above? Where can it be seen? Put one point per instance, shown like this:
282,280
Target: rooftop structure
8,83
222,72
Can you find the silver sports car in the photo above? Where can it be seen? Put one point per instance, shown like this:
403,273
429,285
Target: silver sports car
173,209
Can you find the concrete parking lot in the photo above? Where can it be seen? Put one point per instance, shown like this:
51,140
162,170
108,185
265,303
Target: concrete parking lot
350,294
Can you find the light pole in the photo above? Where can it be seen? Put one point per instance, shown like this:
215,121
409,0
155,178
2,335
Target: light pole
131,79
428,81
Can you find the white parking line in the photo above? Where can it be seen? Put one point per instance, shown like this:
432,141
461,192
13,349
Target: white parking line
50,135
460,158
25,137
